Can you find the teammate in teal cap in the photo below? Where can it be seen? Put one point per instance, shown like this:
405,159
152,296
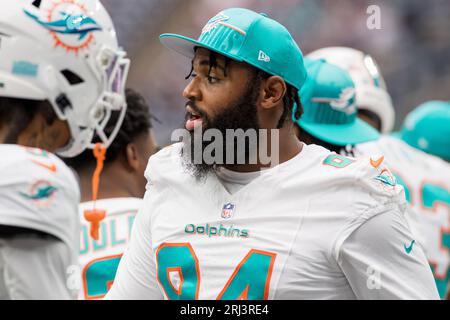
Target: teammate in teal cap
427,128
417,156
414,170
330,114
372,96
315,225
324,126
423,163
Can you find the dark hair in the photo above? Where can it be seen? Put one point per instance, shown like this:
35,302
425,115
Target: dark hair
20,112
372,116
137,121
289,100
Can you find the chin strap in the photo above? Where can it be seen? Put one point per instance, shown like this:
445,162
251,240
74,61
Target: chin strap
95,216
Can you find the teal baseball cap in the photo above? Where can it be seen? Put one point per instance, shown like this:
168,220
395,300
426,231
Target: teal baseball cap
428,128
246,36
329,106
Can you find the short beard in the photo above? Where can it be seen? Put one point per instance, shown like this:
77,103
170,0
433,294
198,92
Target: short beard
239,115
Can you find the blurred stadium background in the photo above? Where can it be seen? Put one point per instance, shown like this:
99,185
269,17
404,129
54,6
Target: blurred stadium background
412,48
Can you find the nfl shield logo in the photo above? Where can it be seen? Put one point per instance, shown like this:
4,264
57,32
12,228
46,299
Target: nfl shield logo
227,210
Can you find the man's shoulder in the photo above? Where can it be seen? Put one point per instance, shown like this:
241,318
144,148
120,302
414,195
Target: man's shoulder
166,163
172,151
325,165
26,164
366,181
38,191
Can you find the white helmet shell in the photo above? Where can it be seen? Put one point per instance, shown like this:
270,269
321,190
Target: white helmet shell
371,91
66,52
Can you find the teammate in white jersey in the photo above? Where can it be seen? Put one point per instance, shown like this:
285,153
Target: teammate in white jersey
316,226
330,120
411,167
426,179
121,189
59,83
39,228
375,107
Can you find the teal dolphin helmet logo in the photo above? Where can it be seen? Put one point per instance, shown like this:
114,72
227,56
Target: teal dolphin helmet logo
42,193
78,24
69,24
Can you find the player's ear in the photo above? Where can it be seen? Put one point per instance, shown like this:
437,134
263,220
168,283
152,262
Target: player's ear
273,90
132,156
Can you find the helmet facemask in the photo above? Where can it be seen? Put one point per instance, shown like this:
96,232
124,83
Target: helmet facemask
113,67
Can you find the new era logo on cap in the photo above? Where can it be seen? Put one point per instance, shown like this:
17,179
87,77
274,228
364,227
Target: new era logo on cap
263,56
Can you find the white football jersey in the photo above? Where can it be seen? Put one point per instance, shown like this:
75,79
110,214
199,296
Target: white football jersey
39,192
99,258
319,226
426,180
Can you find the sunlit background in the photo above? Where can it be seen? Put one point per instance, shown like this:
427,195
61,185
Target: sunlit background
412,47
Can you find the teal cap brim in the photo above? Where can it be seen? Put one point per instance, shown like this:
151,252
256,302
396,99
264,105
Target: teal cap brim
185,45
342,135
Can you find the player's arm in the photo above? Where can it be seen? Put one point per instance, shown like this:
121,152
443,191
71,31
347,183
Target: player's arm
136,274
382,260
35,267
